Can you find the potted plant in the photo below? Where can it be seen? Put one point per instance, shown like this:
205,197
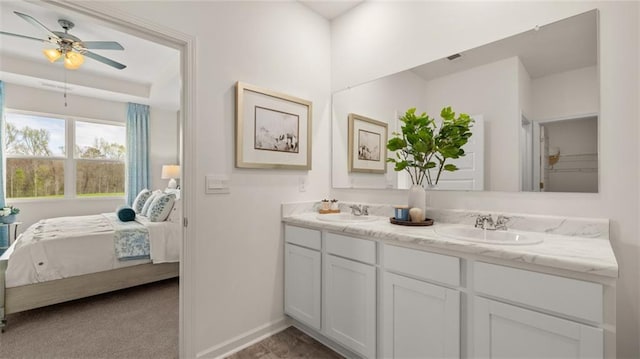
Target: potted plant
423,148
8,214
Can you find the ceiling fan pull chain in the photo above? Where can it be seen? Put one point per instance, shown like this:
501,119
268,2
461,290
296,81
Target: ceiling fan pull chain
65,86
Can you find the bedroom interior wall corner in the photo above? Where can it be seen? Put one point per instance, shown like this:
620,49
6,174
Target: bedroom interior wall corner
106,13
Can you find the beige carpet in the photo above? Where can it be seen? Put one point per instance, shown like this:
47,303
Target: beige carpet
140,322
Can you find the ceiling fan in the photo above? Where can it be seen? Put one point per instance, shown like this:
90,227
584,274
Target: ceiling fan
70,48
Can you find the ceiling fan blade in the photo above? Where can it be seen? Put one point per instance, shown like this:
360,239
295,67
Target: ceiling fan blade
102,45
37,23
104,60
23,36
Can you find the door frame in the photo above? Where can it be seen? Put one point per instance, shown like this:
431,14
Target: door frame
186,44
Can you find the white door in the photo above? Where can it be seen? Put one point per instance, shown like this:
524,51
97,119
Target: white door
350,304
470,173
302,269
526,154
506,331
420,320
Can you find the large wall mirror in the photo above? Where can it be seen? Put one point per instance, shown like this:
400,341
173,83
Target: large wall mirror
535,98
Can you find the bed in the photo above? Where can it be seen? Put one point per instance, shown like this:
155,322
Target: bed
66,258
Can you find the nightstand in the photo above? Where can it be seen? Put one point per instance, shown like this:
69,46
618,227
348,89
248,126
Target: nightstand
15,232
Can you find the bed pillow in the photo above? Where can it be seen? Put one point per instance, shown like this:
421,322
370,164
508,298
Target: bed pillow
148,202
126,214
140,200
161,207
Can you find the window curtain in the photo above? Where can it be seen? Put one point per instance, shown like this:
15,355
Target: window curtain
4,232
137,150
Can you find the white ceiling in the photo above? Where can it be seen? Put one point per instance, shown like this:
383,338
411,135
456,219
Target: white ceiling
152,75
554,48
331,9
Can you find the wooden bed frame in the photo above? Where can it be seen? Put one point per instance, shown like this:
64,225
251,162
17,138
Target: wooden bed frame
18,299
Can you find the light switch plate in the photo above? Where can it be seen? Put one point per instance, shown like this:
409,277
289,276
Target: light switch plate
216,184
302,183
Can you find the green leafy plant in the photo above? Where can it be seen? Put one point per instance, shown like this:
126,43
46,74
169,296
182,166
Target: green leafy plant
422,146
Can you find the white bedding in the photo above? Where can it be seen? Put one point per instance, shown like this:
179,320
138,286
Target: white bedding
82,245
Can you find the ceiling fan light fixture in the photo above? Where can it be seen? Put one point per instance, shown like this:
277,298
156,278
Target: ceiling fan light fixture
73,60
52,54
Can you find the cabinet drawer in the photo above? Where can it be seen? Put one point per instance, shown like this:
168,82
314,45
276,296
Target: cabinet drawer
353,248
305,237
425,265
563,295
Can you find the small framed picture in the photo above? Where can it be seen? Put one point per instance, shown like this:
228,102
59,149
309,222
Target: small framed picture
273,130
367,145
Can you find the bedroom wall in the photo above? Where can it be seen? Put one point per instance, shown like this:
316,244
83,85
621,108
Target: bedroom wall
163,146
400,26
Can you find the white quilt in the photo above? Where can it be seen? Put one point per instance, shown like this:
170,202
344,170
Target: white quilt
64,247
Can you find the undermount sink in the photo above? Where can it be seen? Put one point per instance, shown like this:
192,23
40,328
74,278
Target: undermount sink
473,234
345,218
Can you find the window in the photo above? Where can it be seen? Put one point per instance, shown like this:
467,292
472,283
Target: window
40,165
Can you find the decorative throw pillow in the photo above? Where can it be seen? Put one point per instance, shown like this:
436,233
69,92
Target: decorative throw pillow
126,214
148,202
140,200
161,207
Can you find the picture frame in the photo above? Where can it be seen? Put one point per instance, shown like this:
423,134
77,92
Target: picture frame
273,130
367,145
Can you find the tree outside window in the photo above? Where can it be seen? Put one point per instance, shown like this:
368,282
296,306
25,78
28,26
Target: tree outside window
36,154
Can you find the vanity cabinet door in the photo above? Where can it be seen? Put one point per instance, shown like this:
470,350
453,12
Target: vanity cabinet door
420,320
350,304
302,275
506,331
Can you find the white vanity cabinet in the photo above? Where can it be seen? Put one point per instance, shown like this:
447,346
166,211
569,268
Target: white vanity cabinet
302,276
507,331
330,286
502,330
349,302
389,299
420,319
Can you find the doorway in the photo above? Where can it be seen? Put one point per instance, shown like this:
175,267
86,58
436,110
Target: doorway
186,46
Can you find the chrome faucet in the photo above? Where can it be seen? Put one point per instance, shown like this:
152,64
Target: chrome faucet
485,221
359,210
501,222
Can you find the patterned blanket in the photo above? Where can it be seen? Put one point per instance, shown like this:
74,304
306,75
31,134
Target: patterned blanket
131,239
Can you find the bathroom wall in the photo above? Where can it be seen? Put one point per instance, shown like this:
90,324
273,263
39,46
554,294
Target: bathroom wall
282,46
382,100
397,27
489,90
566,94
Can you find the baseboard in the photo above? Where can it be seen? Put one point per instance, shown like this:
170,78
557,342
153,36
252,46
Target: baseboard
324,340
244,340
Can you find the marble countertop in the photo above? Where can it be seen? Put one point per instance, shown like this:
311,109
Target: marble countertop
589,255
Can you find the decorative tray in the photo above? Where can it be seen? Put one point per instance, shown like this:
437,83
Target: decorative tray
426,222
327,211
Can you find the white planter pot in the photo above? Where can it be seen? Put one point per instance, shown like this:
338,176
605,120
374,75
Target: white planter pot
417,197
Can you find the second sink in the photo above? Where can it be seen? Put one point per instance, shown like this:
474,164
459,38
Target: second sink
485,236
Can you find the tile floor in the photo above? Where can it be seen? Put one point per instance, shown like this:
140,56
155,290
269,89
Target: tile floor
289,343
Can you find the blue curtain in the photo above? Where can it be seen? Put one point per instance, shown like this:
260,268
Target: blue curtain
137,150
4,238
